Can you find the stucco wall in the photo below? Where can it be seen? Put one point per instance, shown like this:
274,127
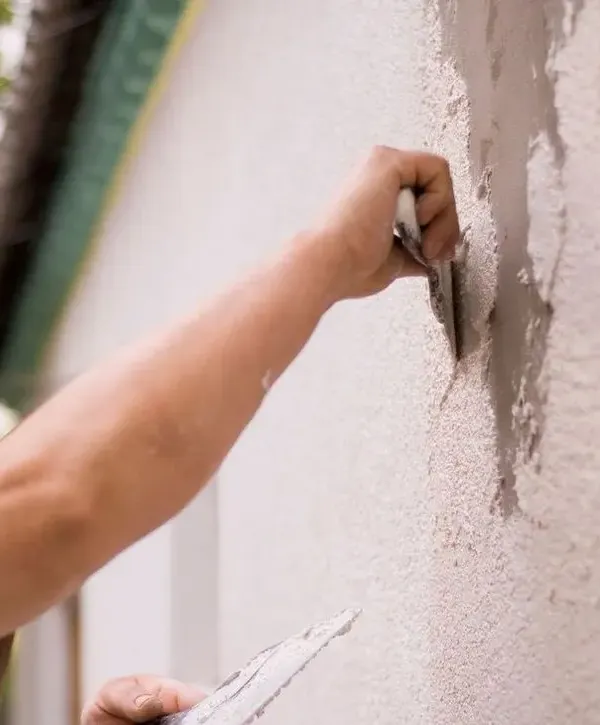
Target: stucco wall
458,508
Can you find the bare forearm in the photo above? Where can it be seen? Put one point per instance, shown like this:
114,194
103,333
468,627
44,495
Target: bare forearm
127,445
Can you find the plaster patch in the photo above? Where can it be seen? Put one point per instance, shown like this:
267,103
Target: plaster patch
492,582
545,202
527,425
568,23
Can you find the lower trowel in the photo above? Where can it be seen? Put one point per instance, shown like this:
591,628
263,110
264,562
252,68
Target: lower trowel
441,277
246,694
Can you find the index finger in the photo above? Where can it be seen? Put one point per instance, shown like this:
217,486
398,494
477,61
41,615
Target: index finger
436,209
433,179
424,172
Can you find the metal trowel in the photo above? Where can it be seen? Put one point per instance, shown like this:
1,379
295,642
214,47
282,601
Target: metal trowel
441,277
244,695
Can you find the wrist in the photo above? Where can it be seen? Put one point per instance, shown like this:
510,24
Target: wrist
324,264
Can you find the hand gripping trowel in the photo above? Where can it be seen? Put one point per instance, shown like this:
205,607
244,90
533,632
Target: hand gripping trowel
442,277
244,695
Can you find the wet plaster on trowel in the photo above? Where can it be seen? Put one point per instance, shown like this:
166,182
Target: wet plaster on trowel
517,622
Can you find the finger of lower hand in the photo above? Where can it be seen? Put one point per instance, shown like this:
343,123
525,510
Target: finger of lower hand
138,700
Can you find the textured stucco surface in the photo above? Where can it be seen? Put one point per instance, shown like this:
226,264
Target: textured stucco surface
458,508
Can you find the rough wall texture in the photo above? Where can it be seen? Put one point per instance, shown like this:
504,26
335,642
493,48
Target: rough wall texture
520,647
458,507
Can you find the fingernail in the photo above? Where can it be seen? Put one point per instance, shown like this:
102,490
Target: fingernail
142,700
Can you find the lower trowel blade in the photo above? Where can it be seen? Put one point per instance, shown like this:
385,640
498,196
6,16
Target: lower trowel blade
442,278
246,693
442,296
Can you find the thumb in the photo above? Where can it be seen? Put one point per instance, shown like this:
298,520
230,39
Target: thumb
398,264
139,699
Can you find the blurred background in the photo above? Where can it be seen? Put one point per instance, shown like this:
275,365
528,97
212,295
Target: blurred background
76,75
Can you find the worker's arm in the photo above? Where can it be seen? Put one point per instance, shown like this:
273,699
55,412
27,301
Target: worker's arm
126,446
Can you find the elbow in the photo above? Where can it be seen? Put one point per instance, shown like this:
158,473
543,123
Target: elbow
65,531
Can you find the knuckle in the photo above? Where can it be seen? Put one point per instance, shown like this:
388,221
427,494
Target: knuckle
437,161
114,683
380,150
382,153
443,164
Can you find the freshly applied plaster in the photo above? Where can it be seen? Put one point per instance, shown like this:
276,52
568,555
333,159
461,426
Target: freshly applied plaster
518,625
501,63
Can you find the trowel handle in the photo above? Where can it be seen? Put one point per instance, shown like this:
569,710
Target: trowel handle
407,232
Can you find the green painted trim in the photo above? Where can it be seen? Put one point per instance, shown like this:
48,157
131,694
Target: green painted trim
130,54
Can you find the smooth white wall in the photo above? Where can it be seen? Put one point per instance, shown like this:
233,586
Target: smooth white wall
370,475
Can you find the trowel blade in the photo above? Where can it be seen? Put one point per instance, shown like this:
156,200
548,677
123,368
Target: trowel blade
442,291
246,693
440,277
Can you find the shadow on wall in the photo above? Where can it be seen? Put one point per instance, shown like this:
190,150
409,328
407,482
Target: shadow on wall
512,103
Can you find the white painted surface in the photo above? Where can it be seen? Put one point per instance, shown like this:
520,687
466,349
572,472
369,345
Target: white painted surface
126,611
369,477
154,608
42,684
8,420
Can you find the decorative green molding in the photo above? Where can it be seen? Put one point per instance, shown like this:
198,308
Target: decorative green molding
125,66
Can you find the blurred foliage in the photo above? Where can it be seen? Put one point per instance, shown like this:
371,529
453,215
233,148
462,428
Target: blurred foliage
6,17
6,12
